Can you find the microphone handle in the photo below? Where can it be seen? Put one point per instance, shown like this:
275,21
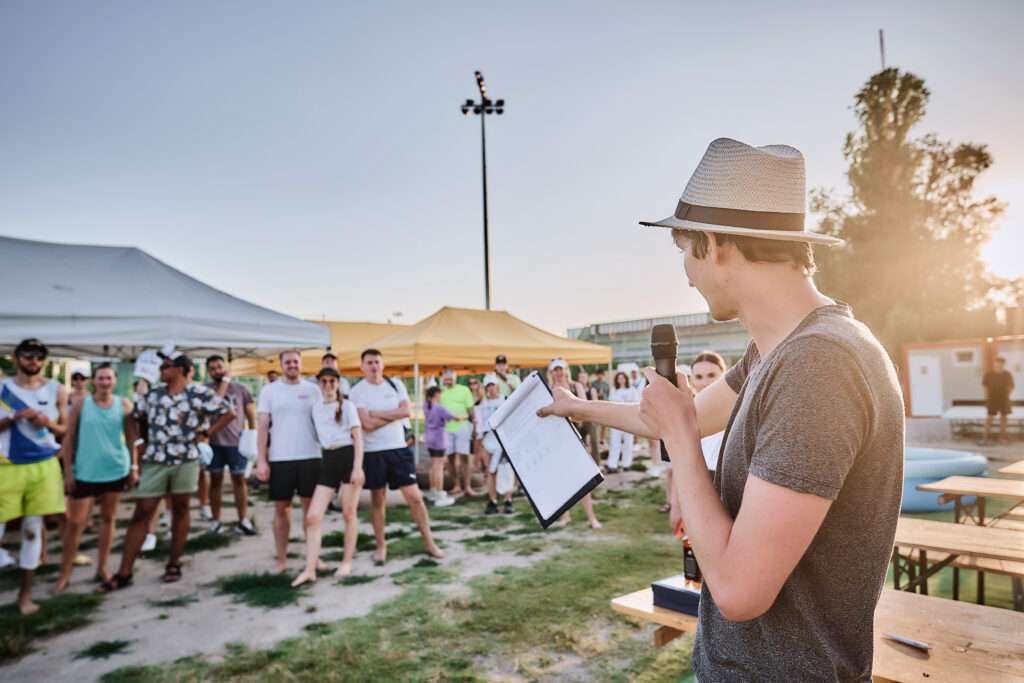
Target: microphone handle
666,367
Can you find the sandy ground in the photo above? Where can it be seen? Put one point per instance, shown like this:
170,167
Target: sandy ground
214,621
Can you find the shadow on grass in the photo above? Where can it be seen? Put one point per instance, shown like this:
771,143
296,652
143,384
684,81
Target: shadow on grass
104,649
269,591
56,615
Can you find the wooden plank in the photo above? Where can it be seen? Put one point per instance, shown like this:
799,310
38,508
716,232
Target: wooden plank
1016,468
985,564
989,487
1015,514
969,642
960,539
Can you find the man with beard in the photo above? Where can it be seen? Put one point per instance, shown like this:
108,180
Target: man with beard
32,415
225,446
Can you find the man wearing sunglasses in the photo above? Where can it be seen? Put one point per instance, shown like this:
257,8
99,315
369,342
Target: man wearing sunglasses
176,412
32,415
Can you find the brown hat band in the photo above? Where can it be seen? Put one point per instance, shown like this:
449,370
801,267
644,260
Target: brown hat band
740,218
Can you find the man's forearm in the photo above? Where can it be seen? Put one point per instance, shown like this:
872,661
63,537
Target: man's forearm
705,519
622,416
390,415
221,422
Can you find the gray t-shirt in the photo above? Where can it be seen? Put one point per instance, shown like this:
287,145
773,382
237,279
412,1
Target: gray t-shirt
821,414
237,398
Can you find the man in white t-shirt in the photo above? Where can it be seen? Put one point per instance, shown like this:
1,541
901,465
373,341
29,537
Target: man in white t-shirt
383,404
292,460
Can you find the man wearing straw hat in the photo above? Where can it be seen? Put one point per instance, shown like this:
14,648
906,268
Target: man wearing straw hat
795,531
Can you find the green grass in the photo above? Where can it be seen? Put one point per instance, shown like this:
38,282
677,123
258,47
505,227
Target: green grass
104,649
177,601
56,615
268,591
522,615
356,579
484,541
10,578
425,572
200,543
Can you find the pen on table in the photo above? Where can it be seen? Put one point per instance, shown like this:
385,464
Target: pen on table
916,644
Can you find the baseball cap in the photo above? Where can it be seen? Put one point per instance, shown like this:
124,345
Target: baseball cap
328,372
29,345
80,374
177,358
490,379
500,359
557,363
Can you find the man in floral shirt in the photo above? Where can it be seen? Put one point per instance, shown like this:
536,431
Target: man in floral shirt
177,413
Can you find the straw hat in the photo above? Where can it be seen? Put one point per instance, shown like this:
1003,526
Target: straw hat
750,191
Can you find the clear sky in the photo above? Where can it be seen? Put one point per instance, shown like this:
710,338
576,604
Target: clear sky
311,156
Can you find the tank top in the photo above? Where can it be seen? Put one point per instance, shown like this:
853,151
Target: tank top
23,443
101,454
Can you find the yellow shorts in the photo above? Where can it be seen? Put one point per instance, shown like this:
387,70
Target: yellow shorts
33,489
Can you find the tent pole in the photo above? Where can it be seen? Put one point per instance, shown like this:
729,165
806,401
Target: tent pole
417,403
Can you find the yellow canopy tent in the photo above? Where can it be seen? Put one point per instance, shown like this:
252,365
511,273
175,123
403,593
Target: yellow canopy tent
347,341
469,339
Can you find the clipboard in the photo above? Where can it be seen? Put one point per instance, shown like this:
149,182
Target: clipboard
587,486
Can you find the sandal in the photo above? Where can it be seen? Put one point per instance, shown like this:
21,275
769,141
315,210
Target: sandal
172,573
114,583
665,508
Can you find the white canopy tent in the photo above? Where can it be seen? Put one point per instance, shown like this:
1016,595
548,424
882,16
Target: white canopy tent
115,302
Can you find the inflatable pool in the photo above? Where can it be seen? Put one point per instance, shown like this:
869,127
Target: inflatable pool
925,465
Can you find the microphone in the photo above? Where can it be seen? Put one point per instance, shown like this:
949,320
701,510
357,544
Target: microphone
664,349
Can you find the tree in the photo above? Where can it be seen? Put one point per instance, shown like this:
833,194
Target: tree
911,267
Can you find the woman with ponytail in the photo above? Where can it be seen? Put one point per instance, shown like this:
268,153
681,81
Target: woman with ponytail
341,438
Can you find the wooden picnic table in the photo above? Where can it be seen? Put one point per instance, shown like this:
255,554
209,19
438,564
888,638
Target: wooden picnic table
969,642
1016,468
956,487
952,541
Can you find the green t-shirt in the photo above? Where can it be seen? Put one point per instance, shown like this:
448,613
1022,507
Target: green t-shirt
459,401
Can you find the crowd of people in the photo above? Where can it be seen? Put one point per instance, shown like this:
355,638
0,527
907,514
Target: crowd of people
316,439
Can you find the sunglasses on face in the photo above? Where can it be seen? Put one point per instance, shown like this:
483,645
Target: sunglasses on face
33,355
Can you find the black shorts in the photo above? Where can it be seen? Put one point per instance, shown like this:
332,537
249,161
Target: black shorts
436,452
999,407
94,489
395,468
290,477
337,466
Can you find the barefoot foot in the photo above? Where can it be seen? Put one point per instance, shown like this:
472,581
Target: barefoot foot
281,568
61,585
594,524
435,552
344,570
27,608
380,556
321,566
304,577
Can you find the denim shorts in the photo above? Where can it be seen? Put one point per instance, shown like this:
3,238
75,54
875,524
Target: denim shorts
227,456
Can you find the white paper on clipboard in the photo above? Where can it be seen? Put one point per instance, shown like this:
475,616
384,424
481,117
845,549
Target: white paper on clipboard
546,452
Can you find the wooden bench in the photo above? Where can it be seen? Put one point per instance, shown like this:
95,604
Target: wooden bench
968,642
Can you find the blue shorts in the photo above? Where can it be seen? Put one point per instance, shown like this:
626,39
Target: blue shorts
394,468
227,456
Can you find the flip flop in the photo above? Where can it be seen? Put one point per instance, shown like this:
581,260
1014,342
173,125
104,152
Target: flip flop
114,583
172,573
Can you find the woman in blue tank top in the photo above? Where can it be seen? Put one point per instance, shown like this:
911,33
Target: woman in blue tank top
99,463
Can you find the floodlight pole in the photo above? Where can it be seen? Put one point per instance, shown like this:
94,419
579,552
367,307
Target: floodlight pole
482,108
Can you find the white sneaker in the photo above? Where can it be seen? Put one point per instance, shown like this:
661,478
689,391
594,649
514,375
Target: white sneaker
206,514
165,519
6,559
149,543
443,500
215,527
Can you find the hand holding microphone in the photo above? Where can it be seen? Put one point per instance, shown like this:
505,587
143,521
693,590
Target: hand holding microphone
665,407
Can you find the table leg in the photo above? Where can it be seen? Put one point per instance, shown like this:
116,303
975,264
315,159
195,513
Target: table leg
665,635
956,583
923,559
1018,594
981,588
980,503
911,575
896,567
